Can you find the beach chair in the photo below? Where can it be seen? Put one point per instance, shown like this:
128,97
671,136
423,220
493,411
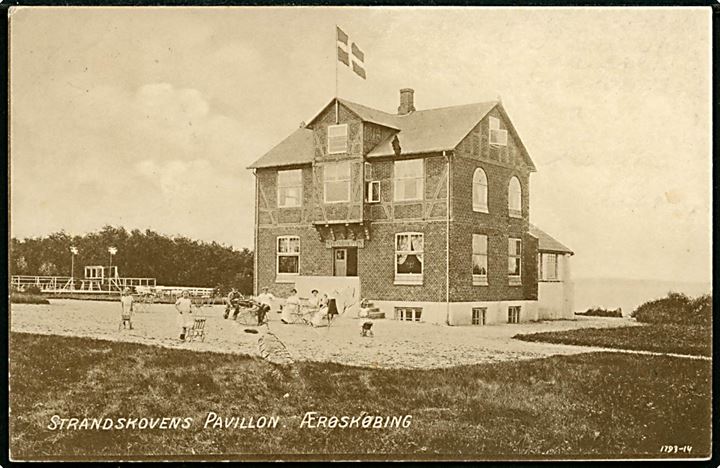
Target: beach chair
366,328
197,330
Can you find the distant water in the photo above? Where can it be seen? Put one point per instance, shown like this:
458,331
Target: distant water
611,293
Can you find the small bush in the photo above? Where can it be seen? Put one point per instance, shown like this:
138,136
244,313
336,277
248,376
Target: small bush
676,308
24,298
600,312
32,289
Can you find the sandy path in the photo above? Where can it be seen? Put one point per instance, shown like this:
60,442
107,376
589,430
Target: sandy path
395,344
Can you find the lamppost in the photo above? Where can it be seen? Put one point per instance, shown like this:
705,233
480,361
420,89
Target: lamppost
73,252
112,251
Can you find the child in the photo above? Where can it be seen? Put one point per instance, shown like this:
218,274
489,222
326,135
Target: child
184,318
126,302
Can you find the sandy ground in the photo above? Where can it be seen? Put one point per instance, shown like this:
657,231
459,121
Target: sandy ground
395,344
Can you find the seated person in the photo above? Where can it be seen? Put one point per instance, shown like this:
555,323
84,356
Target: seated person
291,309
319,318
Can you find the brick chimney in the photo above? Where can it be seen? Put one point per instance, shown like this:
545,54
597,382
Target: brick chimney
407,101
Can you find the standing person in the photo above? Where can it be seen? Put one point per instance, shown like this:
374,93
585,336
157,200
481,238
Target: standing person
332,309
184,318
233,301
126,302
265,300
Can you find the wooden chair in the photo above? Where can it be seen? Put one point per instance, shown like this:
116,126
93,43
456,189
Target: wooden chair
197,330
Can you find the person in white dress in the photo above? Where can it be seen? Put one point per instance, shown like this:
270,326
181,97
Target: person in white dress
184,318
291,309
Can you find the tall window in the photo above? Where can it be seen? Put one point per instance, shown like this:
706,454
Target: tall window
288,255
479,315
337,182
548,268
479,260
289,188
498,136
515,198
409,258
337,139
514,260
480,191
409,180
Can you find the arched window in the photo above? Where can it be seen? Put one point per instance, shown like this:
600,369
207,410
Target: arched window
480,191
515,198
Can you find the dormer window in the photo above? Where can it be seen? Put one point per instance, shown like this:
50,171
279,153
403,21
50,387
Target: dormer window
498,136
337,139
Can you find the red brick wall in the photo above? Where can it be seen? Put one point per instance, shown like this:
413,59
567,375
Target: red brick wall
500,165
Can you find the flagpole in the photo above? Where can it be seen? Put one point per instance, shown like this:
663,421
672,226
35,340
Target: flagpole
337,110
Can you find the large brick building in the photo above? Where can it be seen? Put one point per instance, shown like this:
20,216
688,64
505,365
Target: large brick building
429,209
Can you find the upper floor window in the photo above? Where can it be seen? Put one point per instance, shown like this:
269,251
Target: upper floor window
337,139
515,198
514,260
498,136
409,249
480,191
337,182
479,259
409,180
289,188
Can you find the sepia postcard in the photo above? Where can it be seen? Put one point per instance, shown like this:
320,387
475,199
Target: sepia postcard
359,233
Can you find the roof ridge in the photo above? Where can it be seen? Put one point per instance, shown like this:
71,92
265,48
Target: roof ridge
477,103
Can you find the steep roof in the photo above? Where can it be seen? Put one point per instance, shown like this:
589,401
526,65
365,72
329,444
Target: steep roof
547,243
296,149
423,131
433,130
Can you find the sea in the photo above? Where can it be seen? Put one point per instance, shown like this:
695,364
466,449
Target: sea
628,294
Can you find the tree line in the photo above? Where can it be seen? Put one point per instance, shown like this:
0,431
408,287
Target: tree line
173,261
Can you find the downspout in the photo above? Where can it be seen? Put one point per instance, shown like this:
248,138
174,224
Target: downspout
255,241
447,239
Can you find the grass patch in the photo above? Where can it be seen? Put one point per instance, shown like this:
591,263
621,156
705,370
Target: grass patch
605,405
663,338
25,298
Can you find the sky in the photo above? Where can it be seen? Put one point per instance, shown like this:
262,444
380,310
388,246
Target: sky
148,117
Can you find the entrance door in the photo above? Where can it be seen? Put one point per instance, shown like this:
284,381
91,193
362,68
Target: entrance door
340,262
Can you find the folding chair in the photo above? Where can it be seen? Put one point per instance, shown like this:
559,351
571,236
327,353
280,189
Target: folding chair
197,330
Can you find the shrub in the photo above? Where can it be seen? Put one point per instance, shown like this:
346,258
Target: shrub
676,308
32,289
600,312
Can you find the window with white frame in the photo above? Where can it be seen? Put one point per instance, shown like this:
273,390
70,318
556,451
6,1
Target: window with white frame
514,198
514,314
514,260
498,136
409,177
480,191
337,139
409,258
289,188
479,259
408,314
288,255
479,315
549,267
337,182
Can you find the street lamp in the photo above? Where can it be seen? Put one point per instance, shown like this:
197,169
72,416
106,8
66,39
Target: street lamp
112,251
73,252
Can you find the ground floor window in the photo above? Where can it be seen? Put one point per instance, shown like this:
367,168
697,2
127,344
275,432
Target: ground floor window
514,260
514,314
479,315
409,249
288,255
409,314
